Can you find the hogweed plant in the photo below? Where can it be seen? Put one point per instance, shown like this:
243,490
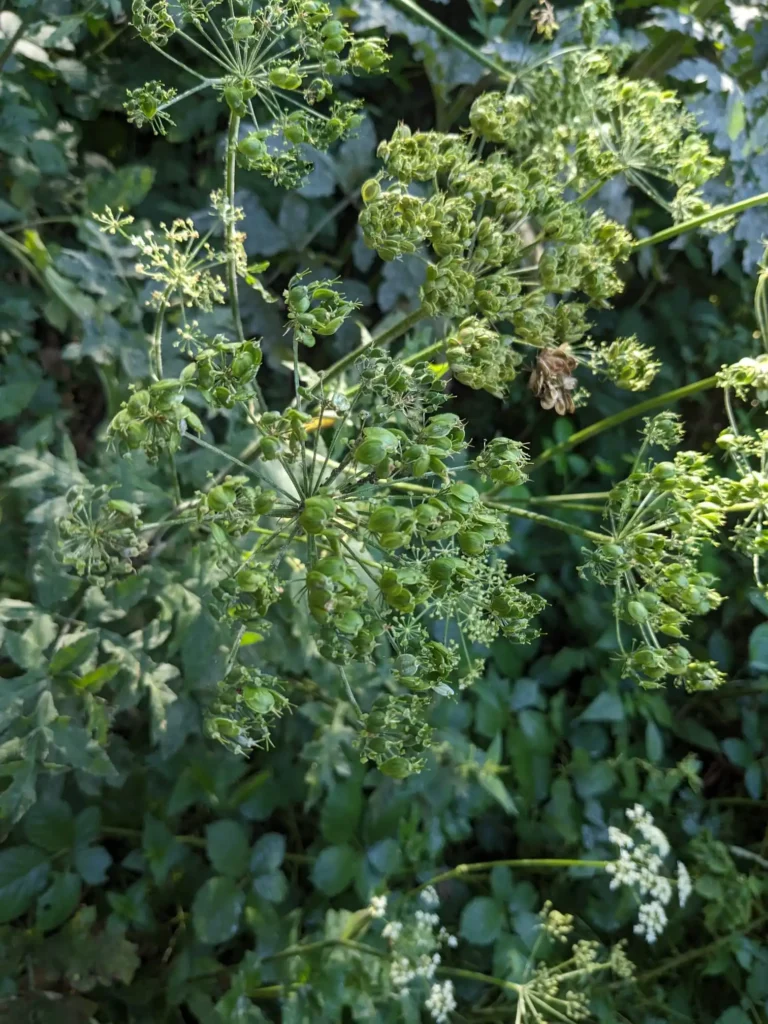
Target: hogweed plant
356,517
362,501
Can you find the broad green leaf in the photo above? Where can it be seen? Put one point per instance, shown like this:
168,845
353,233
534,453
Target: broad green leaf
386,856
606,707
92,862
23,874
273,886
340,818
481,921
226,843
58,902
267,854
216,911
334,869
50,825
67,657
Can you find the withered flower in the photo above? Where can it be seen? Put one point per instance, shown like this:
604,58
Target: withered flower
552,379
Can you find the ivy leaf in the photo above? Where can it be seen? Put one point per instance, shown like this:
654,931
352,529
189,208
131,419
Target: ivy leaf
216,910
58,902
23,874
334,869
481,921
226,844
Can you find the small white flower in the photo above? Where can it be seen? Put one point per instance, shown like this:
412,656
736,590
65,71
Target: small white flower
651,921
684,884
378,906
392,930
619,838
429,897
441,1001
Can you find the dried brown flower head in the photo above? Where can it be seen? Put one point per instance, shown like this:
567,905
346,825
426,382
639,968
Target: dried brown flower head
552,379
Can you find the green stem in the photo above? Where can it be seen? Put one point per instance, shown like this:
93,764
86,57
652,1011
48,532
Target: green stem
234,299
412,8
697,222
483,867
314,947
542,520
621,417
156,350
512,510
378,340
486,979
692,954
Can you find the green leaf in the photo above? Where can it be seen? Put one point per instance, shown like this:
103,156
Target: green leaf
734,1015
160,847
23,874
386,856
92,862
606,707
654,742
272,886
95,679
216,910
267,854
493,785
758,648
481,921
226,843
50,825
334,869
340,817
58,902
67,657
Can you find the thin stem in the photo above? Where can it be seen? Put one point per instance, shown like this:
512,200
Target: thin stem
234,301
486,979
377,341
697,222
484,867
412,8
556,524
156,349
609,422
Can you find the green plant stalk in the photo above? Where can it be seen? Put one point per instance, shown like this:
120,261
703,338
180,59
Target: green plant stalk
697,222
412,8
609,422
377,341
483,867
684,958
234,299
520,513
486,979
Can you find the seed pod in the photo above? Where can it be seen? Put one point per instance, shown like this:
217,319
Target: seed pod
269,448
349,622
138,403
123,508
384,519
284,78
220,498
253,147
259,699
249,580
471,542
637,611
242,28
370,191
370,453
392,541
295,133
395,768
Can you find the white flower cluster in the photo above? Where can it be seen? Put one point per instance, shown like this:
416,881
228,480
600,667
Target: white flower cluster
378,906
640,865
441,1001
415,944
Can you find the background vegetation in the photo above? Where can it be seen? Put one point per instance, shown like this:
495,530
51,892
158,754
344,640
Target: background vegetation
148,873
